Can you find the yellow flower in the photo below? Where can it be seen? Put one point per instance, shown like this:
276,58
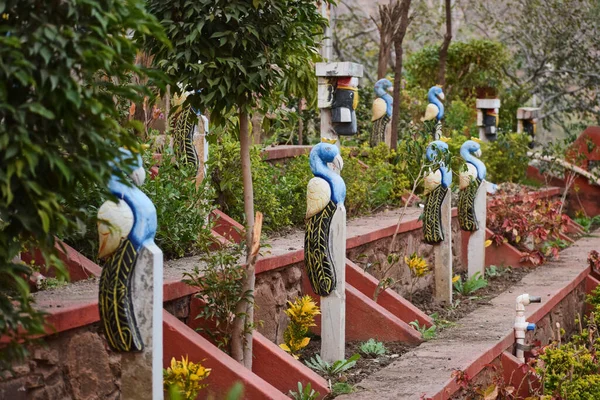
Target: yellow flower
456,278
302,314
186,377
417,265
488,243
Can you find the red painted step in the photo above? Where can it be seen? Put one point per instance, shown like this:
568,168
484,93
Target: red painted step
180,340
388,299
366,319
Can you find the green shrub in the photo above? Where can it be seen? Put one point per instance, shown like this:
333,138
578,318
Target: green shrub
280,189
66,66
506,158
460,117
182,209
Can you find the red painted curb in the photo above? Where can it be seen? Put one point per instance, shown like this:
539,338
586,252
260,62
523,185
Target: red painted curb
505,254
366,319
173,290
78,266
284,151
227,226
219,241
71,317
180,340
515,375
281,369
388,299
271,263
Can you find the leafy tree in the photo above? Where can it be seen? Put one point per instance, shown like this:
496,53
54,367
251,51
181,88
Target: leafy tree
473,68
556,51
64,68
237,53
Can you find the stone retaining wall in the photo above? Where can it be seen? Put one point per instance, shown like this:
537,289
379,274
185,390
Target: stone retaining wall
74,365
374,256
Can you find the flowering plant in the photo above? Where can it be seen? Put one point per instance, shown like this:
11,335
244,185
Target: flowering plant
186,377
302,314
418,268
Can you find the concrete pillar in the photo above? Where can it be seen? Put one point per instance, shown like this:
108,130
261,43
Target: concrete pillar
141,372
476,244
442,254
337,100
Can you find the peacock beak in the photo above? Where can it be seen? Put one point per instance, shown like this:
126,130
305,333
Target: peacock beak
138,176
338,162
441,96
478,153
390,89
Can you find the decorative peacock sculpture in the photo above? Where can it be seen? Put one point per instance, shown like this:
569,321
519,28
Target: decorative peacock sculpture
123,228
436,188
382,111
325,197
435,110
469,183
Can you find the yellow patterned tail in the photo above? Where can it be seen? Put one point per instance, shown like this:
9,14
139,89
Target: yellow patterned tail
182,125
466,207
378,130
317,255
114,299
432,216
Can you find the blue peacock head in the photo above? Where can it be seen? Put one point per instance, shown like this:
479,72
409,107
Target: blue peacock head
470,147
435,94
435,150
470,151
134,164
321,155
383,86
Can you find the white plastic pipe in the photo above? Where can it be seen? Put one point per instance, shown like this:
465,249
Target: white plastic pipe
521,325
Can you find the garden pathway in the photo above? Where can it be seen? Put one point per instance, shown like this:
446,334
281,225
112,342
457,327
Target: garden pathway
426,369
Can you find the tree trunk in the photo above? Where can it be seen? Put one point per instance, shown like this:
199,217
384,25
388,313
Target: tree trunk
241,341
300,122
444,49
384,56
257,120
399,34
385,39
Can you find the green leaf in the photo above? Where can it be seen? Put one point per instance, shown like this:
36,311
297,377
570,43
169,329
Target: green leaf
37,108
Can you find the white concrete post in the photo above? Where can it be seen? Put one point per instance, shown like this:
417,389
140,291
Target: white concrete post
442,254
333,306
142,373
487,107
476,244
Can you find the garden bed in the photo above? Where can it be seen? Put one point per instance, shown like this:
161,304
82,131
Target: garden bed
463,305
365,365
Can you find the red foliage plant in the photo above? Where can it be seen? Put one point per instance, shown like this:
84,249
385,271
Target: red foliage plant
531,225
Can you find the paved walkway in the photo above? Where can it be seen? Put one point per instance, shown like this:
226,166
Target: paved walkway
427,368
